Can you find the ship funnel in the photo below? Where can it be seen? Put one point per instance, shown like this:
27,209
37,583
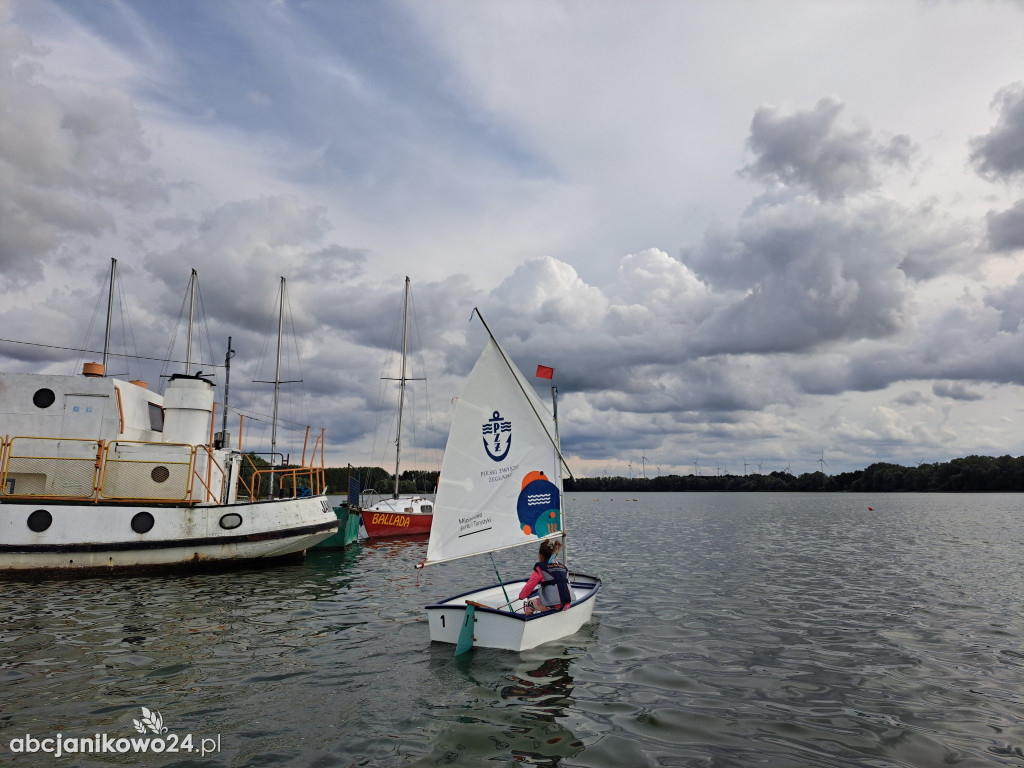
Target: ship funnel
188,408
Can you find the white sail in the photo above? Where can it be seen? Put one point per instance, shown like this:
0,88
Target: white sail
500,486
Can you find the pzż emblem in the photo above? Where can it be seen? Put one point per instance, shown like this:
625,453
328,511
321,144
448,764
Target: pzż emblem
497,433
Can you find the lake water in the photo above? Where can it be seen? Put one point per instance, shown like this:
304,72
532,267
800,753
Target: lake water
732,630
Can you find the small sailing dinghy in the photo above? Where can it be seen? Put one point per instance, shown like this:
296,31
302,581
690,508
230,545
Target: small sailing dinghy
501,487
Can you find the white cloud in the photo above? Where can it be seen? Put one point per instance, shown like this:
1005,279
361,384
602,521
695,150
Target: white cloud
573,170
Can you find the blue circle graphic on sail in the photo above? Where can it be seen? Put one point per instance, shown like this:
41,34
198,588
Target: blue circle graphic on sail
538,507
497,433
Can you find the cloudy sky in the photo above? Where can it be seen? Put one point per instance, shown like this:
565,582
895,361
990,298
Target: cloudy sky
745,234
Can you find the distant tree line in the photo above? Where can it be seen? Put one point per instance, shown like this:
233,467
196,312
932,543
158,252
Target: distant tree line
369,478
380,480
973,474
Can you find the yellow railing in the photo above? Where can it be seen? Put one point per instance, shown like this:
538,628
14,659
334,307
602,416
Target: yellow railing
134,471
48,467
281,482
151,471
213,470
91,470
284,482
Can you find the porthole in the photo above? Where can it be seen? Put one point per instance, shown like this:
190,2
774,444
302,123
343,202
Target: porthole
43,398
427,509
230,521
142,522
39,521
160,474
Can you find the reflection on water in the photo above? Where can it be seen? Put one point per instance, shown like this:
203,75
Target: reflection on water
732,630
504,706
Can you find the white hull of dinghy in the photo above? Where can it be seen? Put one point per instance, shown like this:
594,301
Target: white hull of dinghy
497,627
100,537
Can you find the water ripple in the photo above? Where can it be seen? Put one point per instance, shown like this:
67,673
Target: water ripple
733,630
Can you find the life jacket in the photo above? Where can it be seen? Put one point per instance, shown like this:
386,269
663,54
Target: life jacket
554,589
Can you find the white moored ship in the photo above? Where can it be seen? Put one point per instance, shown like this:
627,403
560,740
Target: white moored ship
103,474
99,474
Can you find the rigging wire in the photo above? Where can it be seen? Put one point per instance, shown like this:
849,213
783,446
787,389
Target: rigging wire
381,393
263,361
80,361
298,361
174,334
414,401
128,340
126,322
426,380
206,327
99,352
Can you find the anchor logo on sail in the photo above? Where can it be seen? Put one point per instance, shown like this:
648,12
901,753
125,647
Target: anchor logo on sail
497,434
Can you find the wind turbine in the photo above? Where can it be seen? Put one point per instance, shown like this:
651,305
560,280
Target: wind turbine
696,467
643,464
822,463
759,467
745,465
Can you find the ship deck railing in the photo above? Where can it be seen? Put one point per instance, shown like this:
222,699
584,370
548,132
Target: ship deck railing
128,471
280,482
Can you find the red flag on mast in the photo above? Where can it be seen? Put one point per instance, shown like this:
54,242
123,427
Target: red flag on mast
544,372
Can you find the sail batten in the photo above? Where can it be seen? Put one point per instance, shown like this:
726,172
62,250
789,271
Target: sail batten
500,484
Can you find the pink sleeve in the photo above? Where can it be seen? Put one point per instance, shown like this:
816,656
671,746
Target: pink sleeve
535,578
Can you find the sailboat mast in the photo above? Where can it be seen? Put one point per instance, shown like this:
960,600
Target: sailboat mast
558,462
110,311
401,385
277,380
227,385
191,313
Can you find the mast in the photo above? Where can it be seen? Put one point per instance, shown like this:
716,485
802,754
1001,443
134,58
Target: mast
191,312
227,383
401,386
110,309
558,462
277,385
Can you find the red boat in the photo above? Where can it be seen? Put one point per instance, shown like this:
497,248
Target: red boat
398,517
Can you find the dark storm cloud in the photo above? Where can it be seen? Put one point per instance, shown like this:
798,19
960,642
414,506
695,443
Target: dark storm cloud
806,273
999,154
69,152
911,399
955,390
241,251
1006,229
1010,304
813,148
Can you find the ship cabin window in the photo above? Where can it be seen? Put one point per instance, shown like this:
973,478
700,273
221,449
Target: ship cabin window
43,398
156,417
